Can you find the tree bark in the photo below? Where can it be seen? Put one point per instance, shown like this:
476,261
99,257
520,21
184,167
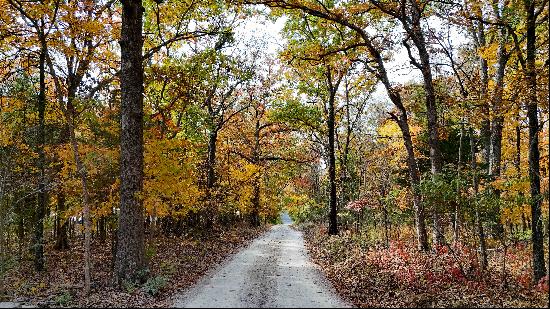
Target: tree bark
211,174
256,160
130,255
85,203
539,267
414,176
62,241
41,163
333,222
456,228
479,35
479,223
412,24
498,120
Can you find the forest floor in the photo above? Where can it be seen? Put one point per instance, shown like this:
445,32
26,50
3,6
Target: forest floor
274,271
370,275
176,263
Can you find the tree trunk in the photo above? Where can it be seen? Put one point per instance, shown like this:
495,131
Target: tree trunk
517,164
41,140
498,120
484,71
130,255
479,223
256,202
333,223
414,173
386,231
539,267
395,97
414,29
102,229
421,234
456,226
62,241
495,150
211,176
256,160
86,206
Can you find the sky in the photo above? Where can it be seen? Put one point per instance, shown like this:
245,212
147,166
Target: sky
399,69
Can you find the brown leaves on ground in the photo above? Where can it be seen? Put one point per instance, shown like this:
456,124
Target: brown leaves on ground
401,276
175,264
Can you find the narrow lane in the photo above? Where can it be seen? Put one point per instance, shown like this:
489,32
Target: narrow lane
273,271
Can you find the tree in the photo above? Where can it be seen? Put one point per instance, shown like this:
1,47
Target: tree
532,11
375,62
41,27
130,254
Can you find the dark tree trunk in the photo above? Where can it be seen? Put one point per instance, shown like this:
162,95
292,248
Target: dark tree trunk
102,229
414,176
495,150
211,164
517,164
539,267
256,160
484,71
498,121
414,173
256,202
333,222
414,29
479,222
21,223
61,239
386,228
130,255
209,212
41,140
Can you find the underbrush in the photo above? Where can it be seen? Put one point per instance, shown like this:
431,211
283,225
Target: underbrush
175,263
373,275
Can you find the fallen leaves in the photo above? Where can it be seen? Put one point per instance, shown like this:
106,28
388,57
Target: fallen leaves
400,276
176,263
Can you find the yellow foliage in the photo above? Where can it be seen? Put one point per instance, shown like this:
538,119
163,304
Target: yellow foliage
170,186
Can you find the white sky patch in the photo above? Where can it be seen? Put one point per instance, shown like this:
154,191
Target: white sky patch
400,70
265,32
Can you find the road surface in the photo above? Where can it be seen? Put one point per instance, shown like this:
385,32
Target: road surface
273,271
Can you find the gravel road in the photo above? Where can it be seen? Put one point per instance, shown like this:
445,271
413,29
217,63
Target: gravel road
273,271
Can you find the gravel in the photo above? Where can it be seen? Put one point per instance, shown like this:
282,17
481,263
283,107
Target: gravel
273,271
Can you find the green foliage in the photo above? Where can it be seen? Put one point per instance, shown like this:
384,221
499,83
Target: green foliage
63,299
150,252
129,286
6,263
438,193
142,275
167,268
154,285
305,211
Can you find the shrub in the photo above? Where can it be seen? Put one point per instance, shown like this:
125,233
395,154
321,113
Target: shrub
154,285
63,299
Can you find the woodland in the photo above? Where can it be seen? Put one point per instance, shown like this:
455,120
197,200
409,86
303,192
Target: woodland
142,142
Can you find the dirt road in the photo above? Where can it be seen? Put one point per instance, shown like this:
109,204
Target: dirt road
273,271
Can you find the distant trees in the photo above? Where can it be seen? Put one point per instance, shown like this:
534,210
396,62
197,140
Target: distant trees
484,78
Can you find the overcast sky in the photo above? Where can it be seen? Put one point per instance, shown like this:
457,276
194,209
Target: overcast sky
399,68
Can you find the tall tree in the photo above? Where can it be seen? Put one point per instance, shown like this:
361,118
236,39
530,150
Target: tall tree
130,254
532,11
41,25
364,42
